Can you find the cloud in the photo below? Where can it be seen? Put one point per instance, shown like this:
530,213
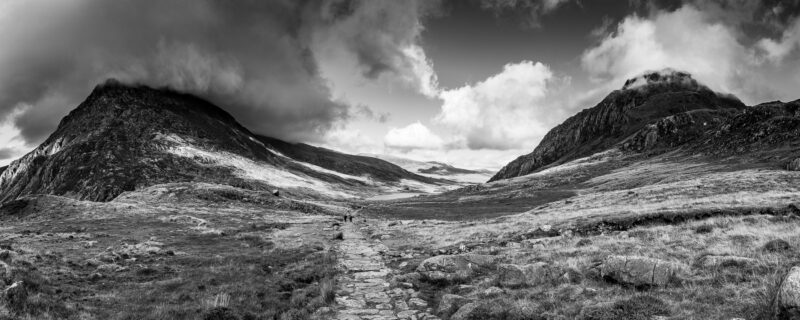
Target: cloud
603,29
380,39
685,39
511,109
413,136
256,59
533,9
7,153
369,114
778,50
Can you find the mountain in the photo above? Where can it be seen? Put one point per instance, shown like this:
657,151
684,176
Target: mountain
345,163
437,170
125,137
446,169
640,104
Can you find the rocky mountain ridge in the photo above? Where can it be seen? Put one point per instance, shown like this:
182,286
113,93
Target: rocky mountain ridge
640,104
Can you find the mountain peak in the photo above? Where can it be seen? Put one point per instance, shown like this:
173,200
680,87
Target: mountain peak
643,100
666,76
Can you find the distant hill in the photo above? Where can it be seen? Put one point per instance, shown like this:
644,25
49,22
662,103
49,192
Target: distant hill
437,170
125,137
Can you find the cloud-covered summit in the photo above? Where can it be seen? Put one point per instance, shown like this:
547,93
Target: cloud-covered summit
255,58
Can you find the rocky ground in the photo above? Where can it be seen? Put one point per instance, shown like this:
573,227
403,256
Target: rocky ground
641,240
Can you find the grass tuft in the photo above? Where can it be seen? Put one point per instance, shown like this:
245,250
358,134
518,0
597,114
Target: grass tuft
639,307
706,228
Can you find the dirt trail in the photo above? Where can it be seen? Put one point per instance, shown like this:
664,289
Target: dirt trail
364,291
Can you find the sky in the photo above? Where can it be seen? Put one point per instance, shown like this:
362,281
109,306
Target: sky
474,83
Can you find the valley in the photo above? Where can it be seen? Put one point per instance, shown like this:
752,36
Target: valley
685,207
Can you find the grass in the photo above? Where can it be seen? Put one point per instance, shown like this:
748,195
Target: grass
81,260
734,288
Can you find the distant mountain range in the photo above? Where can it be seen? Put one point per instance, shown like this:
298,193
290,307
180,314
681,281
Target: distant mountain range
667,111
126,137
438,170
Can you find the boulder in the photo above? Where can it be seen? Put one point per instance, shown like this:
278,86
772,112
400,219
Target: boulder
511,275
787,300
449,304
455,267
641,271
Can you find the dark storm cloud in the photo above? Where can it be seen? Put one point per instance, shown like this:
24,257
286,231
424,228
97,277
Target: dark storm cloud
253,58
377,31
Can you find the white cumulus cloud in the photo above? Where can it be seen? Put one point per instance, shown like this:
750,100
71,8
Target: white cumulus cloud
684,39
511,109
698,42
413,136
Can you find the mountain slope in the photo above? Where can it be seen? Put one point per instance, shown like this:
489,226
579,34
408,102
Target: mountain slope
765,133
622,113
127,137
356,165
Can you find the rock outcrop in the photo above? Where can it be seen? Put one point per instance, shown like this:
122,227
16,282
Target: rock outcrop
512,276
641,271
640,102
454,268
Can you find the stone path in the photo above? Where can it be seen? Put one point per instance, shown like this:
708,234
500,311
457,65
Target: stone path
363,289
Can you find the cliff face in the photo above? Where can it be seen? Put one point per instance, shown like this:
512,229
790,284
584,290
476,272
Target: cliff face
124,137
622,113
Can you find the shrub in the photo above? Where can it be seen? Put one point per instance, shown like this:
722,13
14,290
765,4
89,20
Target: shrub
704,229
220,313
338,236
777,245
